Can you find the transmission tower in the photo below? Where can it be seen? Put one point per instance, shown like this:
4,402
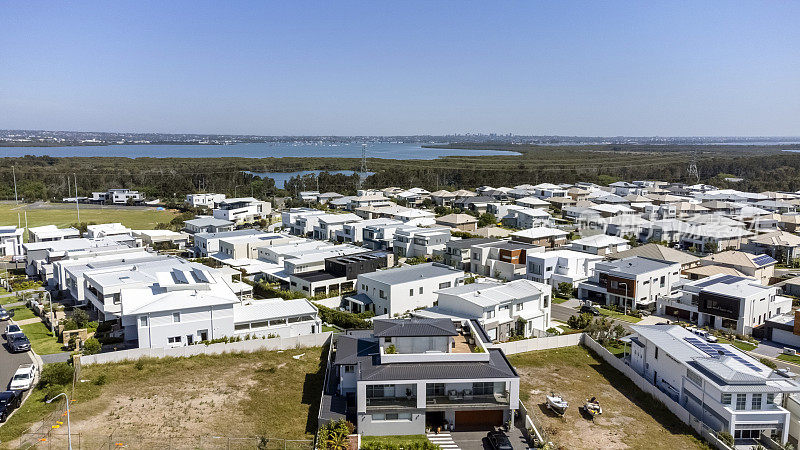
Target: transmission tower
693,173
363,173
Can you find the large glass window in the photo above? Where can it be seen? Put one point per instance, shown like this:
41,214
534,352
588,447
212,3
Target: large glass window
434,389
694,377
483,388
741,401
379,390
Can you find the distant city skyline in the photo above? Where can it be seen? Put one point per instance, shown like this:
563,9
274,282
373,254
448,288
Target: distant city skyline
403,69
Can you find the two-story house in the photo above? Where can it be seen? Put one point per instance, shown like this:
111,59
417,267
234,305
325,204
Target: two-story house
633,283
560,266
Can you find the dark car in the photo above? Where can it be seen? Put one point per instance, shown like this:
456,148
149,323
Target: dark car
5,314
9,401
499,441
590,309
19,343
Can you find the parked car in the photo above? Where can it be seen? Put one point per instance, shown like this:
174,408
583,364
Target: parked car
499,441
5,314
590,309
23,378
9,401
11,329
19,343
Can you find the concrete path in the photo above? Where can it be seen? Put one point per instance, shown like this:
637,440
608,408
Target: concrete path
443,440
28,321
56,357
571,303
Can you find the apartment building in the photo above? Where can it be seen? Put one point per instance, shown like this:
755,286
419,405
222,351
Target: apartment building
726,302
48,233
718,384
634,282
244,209
416,374
399,290
11,239
517,308
415,242
560,266
208,200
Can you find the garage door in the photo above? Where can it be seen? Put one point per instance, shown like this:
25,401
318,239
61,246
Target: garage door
478,420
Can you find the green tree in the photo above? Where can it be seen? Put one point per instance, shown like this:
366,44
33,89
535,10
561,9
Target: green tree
486,219
91,346
565,289
710,247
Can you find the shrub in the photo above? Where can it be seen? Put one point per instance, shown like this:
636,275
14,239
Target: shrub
80,317
344,319
580,322
391,350
91,346
725,437
101,379
139,364
56,374
769,363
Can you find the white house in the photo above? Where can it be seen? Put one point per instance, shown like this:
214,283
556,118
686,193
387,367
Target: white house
244,209
209,200
561,266
47,233
207,225
718,384
399,290
633,282
11,241
116,196
411,241
601,244
516,308
107,230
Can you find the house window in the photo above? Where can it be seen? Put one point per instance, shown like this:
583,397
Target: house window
420,289
770,399
656,356
411,292
755,401
116,298
490,314
349,369
174,340
663,281
741,401
520,306
445,285
694,378
483,388
546,300
143,321
726,399
381,294
379,390
176,317
434,389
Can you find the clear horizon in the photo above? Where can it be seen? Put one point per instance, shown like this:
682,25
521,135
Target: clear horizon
705,69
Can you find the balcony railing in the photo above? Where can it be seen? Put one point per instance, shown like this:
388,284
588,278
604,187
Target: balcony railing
467,399
392,402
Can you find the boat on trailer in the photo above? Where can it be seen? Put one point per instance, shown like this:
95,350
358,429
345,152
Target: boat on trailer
556,403
592,407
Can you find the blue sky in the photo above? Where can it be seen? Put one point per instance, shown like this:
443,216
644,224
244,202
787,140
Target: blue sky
378,68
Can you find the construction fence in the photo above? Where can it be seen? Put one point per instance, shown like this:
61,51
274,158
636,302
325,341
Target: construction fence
60,439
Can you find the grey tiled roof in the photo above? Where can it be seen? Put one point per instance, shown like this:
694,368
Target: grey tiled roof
350,348
413,327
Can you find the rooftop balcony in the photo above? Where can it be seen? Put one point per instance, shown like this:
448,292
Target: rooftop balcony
462,399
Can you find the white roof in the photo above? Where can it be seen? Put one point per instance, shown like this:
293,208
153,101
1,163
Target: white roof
492,294
600,240
273,308
539,232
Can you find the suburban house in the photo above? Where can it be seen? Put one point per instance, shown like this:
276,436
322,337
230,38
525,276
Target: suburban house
40,256
409,375
301,221
246,246
726,302
327,197
443,198
661,253
760,267
478,204
461,222
339,273
718,384
543,236
560,266
368,200
709,238
380,236
783,329
162,238
207,225
11,241
67,274
458,254
244,209
517,308
353,232
634,282
415,242
209,200
107,230
47,233
670,231
601,244
328,225
532,202
523,217
206,244
781,245
501,259
117,196
397,291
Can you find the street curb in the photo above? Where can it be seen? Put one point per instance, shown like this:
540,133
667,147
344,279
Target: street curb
36,360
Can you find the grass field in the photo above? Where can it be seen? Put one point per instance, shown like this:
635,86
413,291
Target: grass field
63,215
267,394
42,341
618,315
630,419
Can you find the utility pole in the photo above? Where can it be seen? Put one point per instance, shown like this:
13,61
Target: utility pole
693,173
77,207
14,174
363,173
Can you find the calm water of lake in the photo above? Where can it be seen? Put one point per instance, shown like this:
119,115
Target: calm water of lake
255,150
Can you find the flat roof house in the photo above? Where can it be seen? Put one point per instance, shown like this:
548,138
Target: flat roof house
601,244
517,308
399,290
47,233
207,225
340,273
11,241
634,282
457,252
501,259
353,232
206,200
107,229
328,225
544,236
717,384
560,266
206,244
243,209
301,221
726,302
411,241
411,374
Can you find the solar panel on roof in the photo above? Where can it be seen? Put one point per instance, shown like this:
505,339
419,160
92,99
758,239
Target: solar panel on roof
763,260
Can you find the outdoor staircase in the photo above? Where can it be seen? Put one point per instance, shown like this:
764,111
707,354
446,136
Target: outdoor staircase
443,440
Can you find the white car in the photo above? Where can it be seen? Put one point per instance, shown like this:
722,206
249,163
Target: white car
23,378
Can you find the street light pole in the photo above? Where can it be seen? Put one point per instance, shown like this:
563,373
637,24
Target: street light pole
52,317
69,429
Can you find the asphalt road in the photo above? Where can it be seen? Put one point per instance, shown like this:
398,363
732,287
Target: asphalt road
9,362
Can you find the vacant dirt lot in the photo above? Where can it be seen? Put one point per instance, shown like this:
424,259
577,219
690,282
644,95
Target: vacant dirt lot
630,419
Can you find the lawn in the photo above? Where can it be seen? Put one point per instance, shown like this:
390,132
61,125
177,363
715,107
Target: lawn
394,440
559,300
64,215
22,312
268,394
794,359
630,419
42,341
618,315
745,346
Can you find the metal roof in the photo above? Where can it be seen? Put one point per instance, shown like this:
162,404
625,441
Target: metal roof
408,274
413,327
497,367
